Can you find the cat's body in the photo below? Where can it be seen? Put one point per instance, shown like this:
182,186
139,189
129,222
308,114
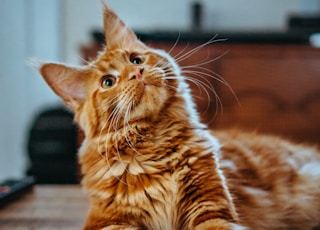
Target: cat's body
275,184
148,163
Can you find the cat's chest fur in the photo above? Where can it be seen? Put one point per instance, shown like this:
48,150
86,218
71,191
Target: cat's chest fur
141,176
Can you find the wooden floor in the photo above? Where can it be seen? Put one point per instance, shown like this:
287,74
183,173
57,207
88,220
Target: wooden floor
46,207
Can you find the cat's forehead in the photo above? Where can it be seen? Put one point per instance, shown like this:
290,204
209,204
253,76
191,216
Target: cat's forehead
111,60
114,55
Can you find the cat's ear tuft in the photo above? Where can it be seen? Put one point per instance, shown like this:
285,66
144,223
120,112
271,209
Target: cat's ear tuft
67,82
34,63
117,34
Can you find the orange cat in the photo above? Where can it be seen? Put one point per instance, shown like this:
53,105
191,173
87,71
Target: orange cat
148,162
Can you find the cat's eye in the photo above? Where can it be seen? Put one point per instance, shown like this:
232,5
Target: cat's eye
108,81
136,59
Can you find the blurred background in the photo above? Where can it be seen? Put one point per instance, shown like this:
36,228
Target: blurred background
61,30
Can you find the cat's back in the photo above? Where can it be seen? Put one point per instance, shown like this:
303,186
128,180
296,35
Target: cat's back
275,183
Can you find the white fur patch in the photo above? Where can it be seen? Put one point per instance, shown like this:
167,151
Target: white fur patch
229,165
116,170
260,195
311,169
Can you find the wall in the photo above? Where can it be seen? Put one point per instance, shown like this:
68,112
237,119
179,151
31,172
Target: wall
28,29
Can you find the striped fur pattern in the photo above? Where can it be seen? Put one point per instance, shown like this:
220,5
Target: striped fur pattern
148,163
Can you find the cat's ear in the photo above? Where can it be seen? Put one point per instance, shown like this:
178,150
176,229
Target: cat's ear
67,82
117,34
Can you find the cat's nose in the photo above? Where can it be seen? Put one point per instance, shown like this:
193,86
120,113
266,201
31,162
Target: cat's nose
136,73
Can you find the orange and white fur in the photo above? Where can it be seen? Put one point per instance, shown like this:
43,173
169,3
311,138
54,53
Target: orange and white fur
149,163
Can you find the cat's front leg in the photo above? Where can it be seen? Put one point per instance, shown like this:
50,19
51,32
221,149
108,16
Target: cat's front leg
219,224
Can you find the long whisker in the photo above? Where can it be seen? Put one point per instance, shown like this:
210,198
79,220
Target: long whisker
209,74
204,85
175,44
103,127
119,111
113,121
128,125
196,49
181,52
128,128
100,151
208,61
199,71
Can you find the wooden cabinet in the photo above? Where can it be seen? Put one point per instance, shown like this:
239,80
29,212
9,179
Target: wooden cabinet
278,88
263,87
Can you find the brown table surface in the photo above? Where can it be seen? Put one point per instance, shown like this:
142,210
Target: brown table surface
46,207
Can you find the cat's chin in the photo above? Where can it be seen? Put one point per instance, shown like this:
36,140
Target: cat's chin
150,103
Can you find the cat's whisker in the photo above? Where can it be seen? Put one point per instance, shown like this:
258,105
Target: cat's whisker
84,61
110,168
127,124
204,85
216,77
115,124
128,128
202,88
102,129
113,117
199,78
205,62
181,52
191,52
100,151
212,75
175,44
104,154
204,72
117,118
124,165
166,66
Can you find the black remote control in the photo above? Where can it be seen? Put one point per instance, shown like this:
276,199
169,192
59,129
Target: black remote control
13,188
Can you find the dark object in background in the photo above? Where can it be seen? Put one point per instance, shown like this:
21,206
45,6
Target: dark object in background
52,147
196,11
12,189
304,22
89,51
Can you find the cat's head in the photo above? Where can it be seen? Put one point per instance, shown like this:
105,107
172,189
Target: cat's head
127,83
